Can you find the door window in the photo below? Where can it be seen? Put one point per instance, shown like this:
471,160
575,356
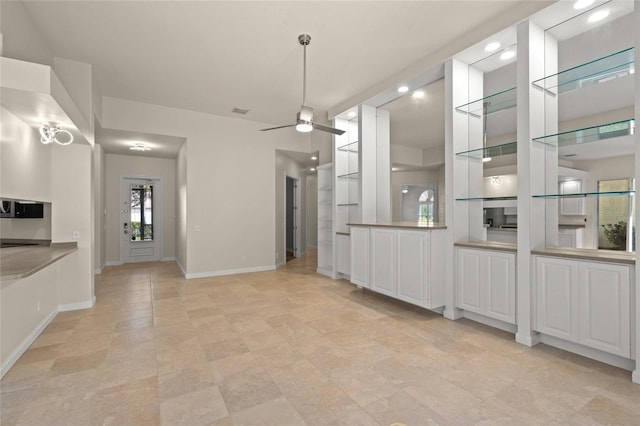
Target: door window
141,212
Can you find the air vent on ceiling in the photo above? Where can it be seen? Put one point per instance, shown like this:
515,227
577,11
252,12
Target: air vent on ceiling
240,111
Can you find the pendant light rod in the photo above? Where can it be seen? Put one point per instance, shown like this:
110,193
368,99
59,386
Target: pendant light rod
304,40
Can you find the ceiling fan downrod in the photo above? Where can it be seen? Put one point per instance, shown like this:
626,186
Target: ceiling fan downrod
304,40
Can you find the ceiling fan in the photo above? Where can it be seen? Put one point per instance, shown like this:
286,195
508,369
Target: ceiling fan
304,119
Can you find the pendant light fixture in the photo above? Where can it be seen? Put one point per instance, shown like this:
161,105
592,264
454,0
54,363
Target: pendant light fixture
51,132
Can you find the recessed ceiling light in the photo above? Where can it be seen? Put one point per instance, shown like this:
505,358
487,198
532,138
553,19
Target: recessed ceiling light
507,54
581,4
314,158
598,16
418,94
403,89
139,146
313,169
351,114
486,159
492,47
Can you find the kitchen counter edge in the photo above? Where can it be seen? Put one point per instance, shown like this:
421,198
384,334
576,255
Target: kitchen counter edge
589,254
405,225
21,262
488,245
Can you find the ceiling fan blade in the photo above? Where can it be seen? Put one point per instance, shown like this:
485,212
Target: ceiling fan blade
279,127
328,129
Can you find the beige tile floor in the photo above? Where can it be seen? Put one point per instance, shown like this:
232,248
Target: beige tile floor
291,347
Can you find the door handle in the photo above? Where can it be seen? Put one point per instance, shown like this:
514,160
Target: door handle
126,229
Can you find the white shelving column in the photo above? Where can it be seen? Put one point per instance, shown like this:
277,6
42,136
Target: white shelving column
636,372
325,220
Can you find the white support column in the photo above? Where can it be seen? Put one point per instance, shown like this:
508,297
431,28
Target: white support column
537,169
456,83
636,372
383,166
367,166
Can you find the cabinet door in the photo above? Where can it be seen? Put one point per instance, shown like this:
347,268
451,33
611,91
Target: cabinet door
500,286
360,256
571,206
383,261
343,262
412,266
469,279
566,238
604,307
557,297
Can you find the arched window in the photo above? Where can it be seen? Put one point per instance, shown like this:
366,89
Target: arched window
426,204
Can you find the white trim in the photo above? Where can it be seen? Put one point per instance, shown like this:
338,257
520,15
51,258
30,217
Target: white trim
607,358
28,341
491,322
114,263
168,259
635,376
99,270
230,272
184,273
281,264
326,271
77,306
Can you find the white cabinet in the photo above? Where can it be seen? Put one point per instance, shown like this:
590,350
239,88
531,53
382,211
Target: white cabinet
412,266
325,220
571,206
570,238
401,263
383,261
585,302
486,283
360,256
343,254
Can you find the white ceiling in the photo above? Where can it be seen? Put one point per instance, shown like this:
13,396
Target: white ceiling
119,142
212,56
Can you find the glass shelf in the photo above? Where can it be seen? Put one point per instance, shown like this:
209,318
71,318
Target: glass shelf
326,243
326,202
324,218
512,197
350,147
586,194
347,204
590,134
493,103
491,151
598,71
354,175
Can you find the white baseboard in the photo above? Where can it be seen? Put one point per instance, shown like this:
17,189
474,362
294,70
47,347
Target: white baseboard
607,358
28,341
77,306
99,270
491,322
184,273
114,263
230,272
168,259
281,264
635,376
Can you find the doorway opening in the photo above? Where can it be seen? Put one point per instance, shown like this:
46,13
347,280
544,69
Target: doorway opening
141,219
292,217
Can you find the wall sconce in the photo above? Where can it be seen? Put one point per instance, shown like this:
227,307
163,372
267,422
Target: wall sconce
53,133
496,180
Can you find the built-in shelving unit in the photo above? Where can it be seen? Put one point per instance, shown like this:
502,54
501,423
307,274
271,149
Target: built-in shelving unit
590,134
487,198
491,151
586,194
594,72
325,219
489,104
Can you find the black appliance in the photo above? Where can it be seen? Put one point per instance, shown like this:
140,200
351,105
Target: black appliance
28,210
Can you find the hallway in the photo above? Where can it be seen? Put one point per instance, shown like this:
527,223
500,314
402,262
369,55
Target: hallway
292,347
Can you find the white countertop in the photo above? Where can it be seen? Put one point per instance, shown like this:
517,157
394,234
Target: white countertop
408,225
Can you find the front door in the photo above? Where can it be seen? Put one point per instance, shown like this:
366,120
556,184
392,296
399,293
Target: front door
140,224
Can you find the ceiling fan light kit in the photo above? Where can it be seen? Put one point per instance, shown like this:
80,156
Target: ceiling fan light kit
304,119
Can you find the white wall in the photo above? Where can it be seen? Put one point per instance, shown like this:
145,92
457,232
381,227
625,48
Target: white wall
21,38
231,182
118,166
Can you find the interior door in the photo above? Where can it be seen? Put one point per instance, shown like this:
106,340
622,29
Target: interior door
139,225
